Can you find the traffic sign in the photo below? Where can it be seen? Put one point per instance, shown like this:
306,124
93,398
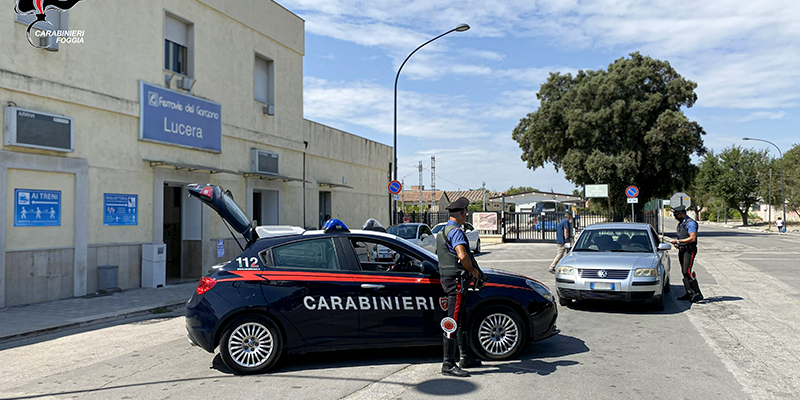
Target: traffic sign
632,191
395,197
633,200
680,199
395,187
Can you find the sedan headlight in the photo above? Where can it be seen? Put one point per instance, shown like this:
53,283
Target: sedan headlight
565,270
541,289
645,272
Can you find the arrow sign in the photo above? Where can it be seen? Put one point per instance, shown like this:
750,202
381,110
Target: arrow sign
632,192
395,187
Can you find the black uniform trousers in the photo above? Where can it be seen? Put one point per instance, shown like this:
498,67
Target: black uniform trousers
686,255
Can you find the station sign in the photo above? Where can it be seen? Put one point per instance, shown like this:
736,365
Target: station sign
37,207
170,117
120,209
596,191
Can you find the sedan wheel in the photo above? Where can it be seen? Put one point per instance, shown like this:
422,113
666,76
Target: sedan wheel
478,247
498,333
251,344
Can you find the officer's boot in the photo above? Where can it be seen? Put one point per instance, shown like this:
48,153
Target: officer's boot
687,285
449,366
697,295
468,358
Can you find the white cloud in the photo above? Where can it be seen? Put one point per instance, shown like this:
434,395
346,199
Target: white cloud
763,115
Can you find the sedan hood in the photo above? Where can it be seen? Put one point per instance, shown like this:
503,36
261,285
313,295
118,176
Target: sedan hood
599,260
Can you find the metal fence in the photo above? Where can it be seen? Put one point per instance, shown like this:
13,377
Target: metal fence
533,227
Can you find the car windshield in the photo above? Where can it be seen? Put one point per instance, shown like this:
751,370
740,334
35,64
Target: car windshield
437,228
404,231
545,207
614,240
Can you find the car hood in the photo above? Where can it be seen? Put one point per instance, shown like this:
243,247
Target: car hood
609,260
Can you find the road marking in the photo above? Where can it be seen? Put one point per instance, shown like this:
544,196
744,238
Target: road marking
756,337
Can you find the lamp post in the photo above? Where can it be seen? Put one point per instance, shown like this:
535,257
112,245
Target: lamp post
783,193
459,28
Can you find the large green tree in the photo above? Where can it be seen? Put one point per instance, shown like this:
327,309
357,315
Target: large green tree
623,126
738,179
770,189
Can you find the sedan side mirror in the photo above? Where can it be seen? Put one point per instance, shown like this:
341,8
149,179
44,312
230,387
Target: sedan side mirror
429,269
664,246
424,235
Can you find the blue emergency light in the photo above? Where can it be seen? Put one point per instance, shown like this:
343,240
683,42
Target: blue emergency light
334,225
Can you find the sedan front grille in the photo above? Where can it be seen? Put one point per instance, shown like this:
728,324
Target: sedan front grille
609,273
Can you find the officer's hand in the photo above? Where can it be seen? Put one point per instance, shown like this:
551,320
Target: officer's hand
475,274
674,242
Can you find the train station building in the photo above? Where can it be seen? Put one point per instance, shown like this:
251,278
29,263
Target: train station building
102,134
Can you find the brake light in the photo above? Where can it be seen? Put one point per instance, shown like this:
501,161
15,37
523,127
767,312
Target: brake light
205,285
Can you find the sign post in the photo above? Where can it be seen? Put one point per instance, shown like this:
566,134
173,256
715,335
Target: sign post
633,197
395,187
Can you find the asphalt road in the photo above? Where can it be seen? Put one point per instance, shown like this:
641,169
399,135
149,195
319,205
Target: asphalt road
742,343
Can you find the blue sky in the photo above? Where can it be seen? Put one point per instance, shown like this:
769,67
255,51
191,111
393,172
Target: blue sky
461,96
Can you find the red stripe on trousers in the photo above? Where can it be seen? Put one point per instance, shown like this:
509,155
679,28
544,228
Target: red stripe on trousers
458,301
691,262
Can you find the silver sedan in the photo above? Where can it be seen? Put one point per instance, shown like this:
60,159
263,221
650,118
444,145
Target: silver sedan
615,261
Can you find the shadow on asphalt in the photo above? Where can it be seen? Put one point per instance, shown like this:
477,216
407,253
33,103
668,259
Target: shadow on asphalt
717,299
726,232
673,306
527,361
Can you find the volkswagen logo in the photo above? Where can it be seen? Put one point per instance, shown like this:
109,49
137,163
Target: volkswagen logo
602,273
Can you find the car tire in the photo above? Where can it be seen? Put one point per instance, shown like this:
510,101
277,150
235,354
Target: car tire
563,302
497,333
251,344
660,303
667,286
477,247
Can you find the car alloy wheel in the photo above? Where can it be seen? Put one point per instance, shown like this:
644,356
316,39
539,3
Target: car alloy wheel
498,333
251,344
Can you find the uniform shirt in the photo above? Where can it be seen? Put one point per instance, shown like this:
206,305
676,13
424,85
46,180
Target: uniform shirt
691,225
564,224
455,237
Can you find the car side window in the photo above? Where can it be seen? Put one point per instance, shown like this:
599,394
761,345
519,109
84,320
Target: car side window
655,238
425,231
375,256
306,254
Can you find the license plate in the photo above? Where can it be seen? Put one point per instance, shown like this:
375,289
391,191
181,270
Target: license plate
601,286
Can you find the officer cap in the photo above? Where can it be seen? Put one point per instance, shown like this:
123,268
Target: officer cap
458,205
679,209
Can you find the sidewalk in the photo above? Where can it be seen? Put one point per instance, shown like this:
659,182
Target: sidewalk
34,318
754,228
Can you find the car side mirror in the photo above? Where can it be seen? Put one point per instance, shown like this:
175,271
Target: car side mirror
664,246
424,235
429,269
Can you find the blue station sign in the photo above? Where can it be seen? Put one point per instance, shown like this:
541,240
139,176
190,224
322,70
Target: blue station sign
120,209
37,207
175,118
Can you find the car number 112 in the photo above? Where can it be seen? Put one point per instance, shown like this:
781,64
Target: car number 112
243,262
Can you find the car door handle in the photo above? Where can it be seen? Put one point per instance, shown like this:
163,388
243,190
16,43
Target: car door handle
371,286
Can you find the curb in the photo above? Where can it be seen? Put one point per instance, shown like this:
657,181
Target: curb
95,319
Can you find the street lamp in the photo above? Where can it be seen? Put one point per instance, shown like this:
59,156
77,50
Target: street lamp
459,28
783,194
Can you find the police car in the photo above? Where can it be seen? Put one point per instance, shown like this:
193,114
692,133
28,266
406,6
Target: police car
294,291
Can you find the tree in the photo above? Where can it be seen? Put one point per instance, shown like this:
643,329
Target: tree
702,189
623,127
737,183
770,189
521,189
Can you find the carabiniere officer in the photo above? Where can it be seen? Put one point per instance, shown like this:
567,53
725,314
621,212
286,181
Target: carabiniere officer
452,248
687,250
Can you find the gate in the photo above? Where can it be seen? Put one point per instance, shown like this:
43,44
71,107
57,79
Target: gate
532,227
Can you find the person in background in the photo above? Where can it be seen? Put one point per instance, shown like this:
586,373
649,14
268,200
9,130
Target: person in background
779,225
563,236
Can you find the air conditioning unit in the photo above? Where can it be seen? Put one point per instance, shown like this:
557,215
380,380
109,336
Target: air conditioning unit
185,83
264,162
269,109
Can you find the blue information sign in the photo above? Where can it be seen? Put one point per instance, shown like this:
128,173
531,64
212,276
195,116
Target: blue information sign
120,209
176,118
37,207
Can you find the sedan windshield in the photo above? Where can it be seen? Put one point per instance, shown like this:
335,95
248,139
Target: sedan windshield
437,228
615,240
405,232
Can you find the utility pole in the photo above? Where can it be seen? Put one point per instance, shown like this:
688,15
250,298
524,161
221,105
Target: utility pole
433,182
420,189
483,189
769,202
403,197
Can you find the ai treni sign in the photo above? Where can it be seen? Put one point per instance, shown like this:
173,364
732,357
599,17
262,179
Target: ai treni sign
175,118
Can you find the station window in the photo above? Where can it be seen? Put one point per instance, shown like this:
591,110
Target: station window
263,80
176,45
